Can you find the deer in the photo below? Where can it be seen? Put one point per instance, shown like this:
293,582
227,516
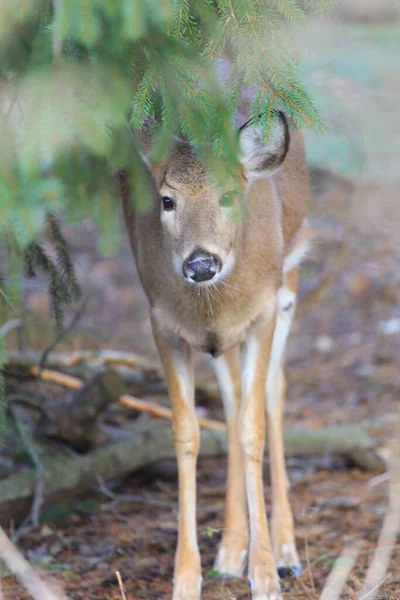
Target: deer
228,288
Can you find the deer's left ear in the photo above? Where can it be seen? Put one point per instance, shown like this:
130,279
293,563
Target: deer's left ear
261,157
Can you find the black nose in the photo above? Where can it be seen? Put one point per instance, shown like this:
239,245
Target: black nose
201,266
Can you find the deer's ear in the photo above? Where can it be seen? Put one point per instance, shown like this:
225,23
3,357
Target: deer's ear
261,157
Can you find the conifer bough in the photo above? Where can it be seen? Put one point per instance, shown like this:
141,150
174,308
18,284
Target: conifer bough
80,77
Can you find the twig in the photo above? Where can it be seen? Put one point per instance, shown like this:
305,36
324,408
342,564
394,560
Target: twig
55,377
62,336
155,410
134,498
3,295
95,360
9,326
39,492
340,573
121,585
66,476
374,589
379,479
308,564
99,358
24,572
388,535
141,501
147,406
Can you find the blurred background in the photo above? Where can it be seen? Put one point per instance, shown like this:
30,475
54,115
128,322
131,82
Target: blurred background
342,361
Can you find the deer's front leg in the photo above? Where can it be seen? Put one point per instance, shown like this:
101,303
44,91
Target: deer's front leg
262,570
178,369
232,553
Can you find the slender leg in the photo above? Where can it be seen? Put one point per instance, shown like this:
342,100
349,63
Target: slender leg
232,553
177,363
282,527
262,571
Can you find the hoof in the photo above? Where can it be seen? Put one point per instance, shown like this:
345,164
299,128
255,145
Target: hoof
264,583
187,587
285,572
288,563
231,562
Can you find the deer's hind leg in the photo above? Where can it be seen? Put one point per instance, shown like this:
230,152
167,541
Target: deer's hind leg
282,527
232,553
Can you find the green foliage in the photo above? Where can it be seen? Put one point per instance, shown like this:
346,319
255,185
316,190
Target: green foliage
63,285
79,77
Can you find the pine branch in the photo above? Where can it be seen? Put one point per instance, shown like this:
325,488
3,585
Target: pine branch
76,73
71,287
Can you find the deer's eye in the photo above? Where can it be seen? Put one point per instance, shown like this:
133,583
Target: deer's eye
168,203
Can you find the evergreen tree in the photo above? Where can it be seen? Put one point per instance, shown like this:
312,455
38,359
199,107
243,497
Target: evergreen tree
80,77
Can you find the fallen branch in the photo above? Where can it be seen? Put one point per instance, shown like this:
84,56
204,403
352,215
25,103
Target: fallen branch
32,447
87,357
9,326
24,572
377,571
86,364
74,418
357,449
62,335
156,410
340,572
65,476
147,406
68,381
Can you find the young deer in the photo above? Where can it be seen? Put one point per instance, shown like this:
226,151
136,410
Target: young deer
228,288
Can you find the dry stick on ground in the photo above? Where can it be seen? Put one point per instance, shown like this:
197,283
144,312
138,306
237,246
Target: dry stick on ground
121,585
24,572
377,571
391,527
90,362
156,410
65,476
152,408
340,573
74,418
132,498
113,358
358,453
358,448
97,358
30,444
64,334
9,326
